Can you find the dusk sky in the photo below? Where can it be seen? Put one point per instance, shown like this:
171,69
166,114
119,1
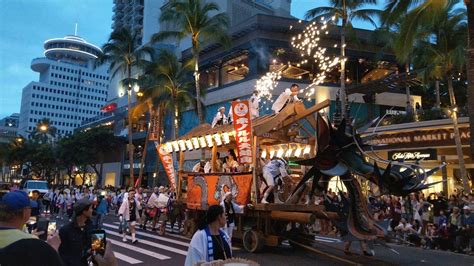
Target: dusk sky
26,24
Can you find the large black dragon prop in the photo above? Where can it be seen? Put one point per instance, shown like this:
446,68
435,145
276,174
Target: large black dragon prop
341,152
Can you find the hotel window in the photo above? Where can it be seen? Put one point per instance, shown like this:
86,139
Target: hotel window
234,69
283,61
209,78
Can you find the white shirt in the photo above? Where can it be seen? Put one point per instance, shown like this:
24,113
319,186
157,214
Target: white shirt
282,99
197,250
254,101
219,116
275,168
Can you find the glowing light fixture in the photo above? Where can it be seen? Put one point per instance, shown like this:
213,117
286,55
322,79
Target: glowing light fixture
272,154
298,152
218,140
280,152
175,145
209,141
189,144
202,142
226,138
182,145
264,154
195,143
289,152
307,149
169,147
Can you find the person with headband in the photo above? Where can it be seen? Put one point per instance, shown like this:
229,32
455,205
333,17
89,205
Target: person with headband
210,242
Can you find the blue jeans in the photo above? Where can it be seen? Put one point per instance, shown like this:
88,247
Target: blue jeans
99,220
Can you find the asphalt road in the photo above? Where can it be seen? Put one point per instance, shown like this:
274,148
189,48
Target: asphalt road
171,249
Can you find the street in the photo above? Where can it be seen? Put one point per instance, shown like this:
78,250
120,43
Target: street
171,249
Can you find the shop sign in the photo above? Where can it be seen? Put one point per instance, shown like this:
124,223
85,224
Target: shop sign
135,166
421,138
154,131
243,129
427,154
167,161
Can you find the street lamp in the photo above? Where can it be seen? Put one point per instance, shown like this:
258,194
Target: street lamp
43,128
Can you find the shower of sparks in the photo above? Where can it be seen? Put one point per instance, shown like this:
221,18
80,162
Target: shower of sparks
266,84
308,45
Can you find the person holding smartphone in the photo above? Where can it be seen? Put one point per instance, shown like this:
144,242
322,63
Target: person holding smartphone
128,214
76,235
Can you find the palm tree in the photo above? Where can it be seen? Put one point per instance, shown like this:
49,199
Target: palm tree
193,18
345,11
164,79
446,57
439,16
123,53
470,67
171,80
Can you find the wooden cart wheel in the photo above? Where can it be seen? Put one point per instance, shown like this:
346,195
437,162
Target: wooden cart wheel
189,228
253,241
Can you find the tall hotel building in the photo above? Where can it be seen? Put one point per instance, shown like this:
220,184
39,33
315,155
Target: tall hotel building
69,91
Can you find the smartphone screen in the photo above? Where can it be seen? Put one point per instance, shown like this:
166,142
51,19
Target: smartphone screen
42,226
51,228
98,242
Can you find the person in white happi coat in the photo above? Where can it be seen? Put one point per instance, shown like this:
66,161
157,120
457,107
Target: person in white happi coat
230,115
289,95
220,118
276,168
230,209
254,102
210,242
128,214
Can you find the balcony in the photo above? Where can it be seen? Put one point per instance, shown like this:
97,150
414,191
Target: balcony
40,64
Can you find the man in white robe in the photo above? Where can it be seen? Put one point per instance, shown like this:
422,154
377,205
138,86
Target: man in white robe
289,95
219,118
254,102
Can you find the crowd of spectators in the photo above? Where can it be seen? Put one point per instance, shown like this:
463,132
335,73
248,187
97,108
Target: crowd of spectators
431,222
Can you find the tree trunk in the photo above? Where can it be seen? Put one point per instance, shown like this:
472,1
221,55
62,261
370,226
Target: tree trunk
438,99
130,137
409,108
145,148
343,69
176,117
457,136
470,68
198,86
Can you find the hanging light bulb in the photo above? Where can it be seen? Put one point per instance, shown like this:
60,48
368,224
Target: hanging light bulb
195,143
209,141
272,154
226,138
182,145
175,145
202,142
280,152
169,147
298,151
189,144
307,149
218,140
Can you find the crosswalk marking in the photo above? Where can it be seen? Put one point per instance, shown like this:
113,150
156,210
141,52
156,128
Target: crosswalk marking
326,239
168,229
140,250
146,242
126,258
153,236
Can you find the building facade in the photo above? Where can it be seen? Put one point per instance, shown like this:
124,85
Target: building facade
9,127
69,90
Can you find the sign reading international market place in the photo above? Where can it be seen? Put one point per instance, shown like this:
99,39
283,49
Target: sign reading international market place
167,161
415,155
243,130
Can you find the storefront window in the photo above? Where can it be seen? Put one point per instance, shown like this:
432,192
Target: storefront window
287,63
234,69
209,78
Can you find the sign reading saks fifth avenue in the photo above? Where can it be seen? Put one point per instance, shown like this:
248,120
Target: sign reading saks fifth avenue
421,139
426,154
